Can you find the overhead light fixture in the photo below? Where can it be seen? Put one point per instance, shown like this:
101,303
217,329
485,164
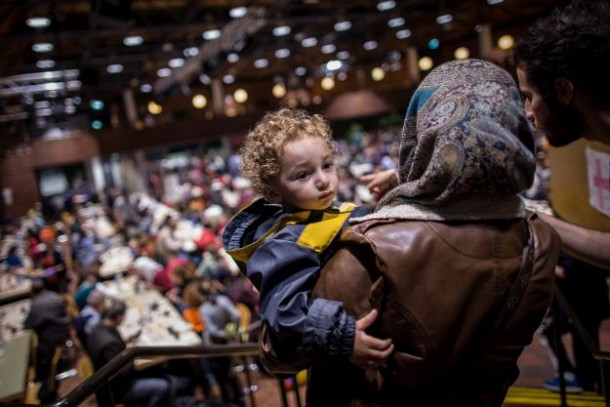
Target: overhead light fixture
396,22
191,52
45,64
444,19
342,76
261,63
327,83
133,41
240,96
506,42
281,30
300,70
494,2
278,90
42,47
343,55
386,5
461,53
176,62
238,12
434,43
425,63
334,65
97,105
97,124
114,68
343,25
154,108
199,101
328,48
309,42
164,72
232,57
370,45
377,74
38,22
403,34
228,79
211,34
282,53
146,88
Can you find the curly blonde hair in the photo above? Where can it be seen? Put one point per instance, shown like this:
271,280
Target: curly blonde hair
263,149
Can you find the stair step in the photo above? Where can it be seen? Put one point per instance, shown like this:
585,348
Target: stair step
527,396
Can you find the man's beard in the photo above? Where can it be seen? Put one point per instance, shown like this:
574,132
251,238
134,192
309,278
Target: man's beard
568,124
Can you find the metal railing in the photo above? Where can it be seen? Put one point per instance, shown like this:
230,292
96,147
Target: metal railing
100,379
102,376
559,301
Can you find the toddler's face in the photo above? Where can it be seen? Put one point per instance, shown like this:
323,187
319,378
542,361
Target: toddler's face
307,178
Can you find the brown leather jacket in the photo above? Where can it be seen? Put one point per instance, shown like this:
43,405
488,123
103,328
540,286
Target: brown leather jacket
439,287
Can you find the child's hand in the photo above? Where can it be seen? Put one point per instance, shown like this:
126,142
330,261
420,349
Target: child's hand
369,352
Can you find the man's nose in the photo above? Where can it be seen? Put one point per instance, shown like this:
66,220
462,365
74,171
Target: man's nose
529,113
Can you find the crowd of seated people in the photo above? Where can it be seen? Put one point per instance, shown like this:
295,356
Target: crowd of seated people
171,243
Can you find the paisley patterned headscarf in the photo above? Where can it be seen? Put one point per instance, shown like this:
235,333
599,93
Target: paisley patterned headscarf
466,149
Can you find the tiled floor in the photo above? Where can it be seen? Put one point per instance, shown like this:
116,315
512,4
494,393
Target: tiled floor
534,364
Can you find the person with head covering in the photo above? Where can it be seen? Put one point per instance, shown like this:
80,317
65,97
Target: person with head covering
460,273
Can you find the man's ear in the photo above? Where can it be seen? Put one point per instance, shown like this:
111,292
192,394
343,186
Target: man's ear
564,89
271,195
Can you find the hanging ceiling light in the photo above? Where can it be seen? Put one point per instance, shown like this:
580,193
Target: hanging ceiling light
240,95
425,63
328,83
377,73
278,90
199,101
506,42
154,108
461,53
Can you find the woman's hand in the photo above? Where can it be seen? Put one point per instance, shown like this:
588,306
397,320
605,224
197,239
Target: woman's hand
379,183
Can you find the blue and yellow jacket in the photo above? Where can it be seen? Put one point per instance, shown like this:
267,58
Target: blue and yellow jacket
282,254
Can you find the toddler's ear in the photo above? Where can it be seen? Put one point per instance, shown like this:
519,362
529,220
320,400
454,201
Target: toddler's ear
271,195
